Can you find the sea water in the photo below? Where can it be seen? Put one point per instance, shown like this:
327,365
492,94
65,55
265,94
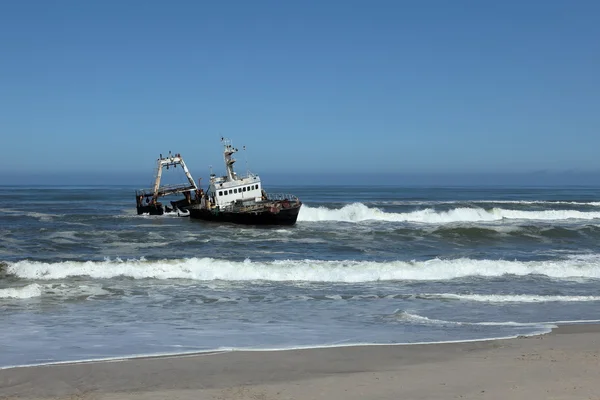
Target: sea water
83,277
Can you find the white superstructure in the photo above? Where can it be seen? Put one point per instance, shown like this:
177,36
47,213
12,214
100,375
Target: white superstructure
226,190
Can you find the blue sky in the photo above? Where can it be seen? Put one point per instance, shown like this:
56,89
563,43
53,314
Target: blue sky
317,86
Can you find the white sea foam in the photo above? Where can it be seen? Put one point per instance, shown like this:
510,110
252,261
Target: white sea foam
496,298
44,217
358,212
66,237
61,290
25,292
65,290
589,257
419,319
427,296
209,269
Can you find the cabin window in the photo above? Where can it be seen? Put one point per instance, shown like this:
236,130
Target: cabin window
221,193
234,190
244,188
230,191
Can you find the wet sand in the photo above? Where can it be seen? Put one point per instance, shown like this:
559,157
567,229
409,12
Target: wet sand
564,364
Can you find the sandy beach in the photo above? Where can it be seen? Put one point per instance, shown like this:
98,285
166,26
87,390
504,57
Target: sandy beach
564,364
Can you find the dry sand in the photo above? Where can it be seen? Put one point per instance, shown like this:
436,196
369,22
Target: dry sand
562,365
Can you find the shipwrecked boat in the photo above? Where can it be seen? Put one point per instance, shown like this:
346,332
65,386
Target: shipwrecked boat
242,199
148,200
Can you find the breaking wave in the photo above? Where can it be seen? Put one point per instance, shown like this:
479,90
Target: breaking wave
358,212
209,269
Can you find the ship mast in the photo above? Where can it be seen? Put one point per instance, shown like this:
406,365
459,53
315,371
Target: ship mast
228,152
171,161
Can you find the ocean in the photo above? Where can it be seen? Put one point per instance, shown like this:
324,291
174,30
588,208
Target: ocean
82,277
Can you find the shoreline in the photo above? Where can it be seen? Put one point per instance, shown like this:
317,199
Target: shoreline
550,327
563,363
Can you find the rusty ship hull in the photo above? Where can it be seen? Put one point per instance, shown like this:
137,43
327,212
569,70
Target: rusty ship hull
269,213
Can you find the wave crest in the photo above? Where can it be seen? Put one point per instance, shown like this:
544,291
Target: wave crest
209,269
358,212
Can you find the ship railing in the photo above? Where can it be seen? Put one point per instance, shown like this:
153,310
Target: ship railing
282,196
167,189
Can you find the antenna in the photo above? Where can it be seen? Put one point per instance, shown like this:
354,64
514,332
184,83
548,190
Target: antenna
246,159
